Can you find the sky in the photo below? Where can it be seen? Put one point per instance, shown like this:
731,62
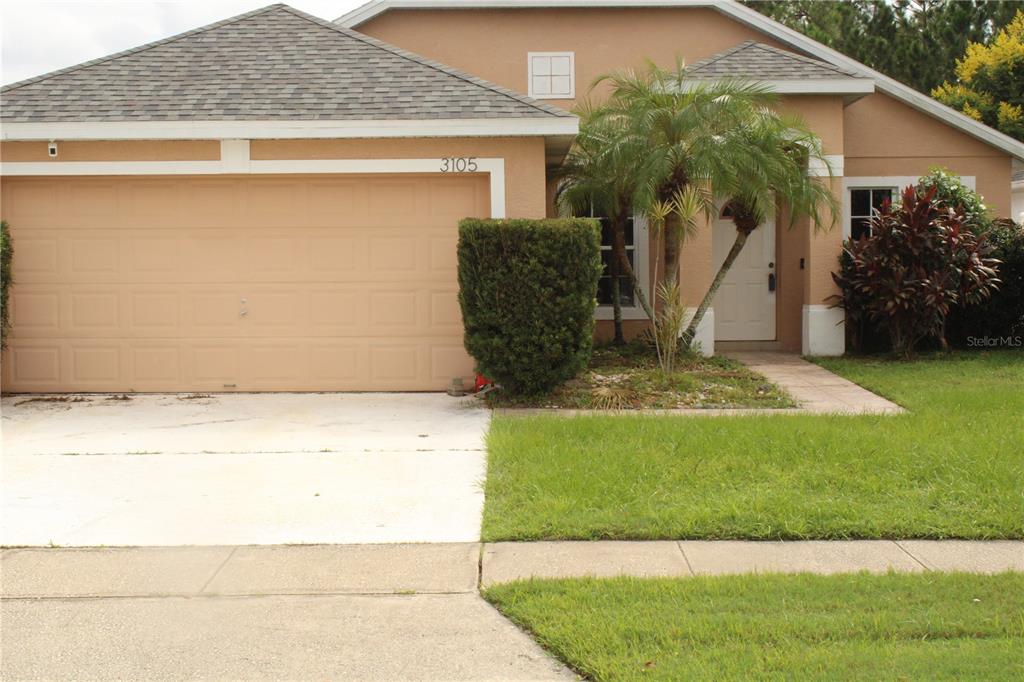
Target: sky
38,36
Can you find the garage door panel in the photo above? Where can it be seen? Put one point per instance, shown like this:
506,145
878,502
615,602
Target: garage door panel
154,203
213,312
212,202
216,255
212,284
95,311
154,311
154,256
154,366
336,204
35,311
95,256
91,203
214,365
35,365
97,364
38,257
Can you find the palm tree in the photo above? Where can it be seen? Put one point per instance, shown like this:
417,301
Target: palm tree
599,177
770,167
681,129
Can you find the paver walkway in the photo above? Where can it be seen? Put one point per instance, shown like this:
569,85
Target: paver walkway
815,388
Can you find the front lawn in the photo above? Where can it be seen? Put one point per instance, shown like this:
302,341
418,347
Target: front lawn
627,378
930,626
951,468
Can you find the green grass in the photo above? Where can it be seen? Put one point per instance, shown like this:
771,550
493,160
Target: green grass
951,468
847,627
627,378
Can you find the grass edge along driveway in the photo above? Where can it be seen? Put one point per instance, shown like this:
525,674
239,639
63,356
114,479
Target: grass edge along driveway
929,626
951,468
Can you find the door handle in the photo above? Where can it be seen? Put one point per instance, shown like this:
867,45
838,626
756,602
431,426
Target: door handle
771,281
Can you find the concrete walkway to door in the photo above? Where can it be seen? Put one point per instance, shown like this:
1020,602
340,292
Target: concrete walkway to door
174,469
815,388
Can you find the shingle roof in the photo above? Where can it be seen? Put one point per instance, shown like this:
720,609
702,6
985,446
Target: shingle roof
274,63
751,59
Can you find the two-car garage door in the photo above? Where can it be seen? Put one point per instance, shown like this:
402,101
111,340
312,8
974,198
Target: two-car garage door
188,283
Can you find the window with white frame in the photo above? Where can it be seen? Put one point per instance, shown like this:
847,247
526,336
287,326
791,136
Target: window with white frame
604,285
864,201
552,75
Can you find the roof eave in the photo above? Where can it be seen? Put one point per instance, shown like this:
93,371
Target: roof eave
303,129
808,86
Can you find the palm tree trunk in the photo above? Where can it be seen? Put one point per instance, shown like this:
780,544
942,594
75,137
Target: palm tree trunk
618,225
626,269
672,244
737,246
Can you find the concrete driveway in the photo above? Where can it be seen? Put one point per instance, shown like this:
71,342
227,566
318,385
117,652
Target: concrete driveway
241,469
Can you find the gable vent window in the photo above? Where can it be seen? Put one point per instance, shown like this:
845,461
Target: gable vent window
552,75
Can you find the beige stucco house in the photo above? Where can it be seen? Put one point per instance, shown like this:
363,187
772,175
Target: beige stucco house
270,202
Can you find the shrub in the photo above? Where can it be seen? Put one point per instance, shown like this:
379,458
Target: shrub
528,293
919,261
1002,314
6,254
952,192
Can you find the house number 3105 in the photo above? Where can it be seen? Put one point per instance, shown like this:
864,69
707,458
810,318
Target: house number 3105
459,164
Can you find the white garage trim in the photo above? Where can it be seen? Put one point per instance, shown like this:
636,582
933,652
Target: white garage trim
291,130
235,160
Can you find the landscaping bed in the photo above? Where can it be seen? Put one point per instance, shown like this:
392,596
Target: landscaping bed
949,468
931,626
628,378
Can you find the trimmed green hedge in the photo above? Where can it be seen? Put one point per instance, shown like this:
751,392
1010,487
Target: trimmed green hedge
6,255
528,292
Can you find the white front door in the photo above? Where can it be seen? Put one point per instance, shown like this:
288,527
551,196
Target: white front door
745,304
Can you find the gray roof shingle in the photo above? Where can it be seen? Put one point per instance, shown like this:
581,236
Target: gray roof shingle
274,63
756,60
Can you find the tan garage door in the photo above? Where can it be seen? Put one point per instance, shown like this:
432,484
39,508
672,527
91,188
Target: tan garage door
290,283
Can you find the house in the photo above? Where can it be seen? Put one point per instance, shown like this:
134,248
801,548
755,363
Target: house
270,202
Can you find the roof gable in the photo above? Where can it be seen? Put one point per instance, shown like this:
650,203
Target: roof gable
745,15
275,63
751,59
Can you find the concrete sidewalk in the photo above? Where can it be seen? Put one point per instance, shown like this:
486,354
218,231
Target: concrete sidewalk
357,612
455,568
508,561
351,612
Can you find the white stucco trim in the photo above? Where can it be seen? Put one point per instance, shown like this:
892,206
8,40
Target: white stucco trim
817,169
704,339
823,330
235,160
896,182
745,15
291,130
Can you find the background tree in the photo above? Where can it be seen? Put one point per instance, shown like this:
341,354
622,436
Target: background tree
989,83
917,42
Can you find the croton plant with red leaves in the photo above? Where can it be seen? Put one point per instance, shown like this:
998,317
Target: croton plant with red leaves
918,261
